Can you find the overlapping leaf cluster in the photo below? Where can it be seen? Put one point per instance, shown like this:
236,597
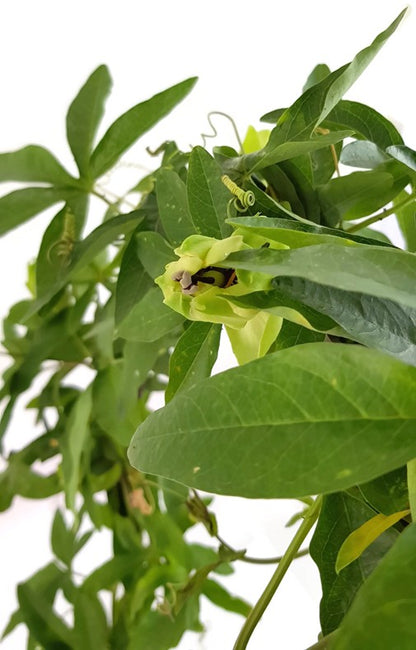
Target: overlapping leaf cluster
335,415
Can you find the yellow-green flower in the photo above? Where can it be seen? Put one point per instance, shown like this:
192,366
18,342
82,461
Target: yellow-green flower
199,288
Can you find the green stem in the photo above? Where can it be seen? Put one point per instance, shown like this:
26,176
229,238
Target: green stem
259,608
323,644
411,486
258,560
382,215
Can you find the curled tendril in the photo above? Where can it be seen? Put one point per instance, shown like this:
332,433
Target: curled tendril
61,250
214,133
243,200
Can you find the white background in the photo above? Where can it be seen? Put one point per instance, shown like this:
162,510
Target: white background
250,58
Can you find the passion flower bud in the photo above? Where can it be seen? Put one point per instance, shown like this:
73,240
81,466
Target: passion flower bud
199,288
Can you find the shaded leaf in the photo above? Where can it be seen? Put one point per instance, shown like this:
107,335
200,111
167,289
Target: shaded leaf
154,252
47,628
128,292
292,334
384,610
353,268
84,116
207,437
73,443
90,623
193,357
359,194
387,493
173,206
131,125
342,513
296,234
406,218
381,324
149,319
361,538
207,195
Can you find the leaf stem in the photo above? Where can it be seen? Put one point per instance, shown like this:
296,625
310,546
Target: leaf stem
411,486
259,560
259,608
382,215
323,644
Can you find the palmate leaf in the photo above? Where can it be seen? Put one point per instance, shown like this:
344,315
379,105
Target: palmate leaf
21,205
323,424
84,116
384,610
134,123
34,164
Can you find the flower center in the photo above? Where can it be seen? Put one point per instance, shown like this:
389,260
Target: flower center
214,275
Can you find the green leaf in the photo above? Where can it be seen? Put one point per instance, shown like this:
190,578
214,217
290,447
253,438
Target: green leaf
297,123
47,628
154,252
129,293
384,609
33,164
207,195
387,493
406,218
342,513
292,334
193,357
118,418
84,116
135,122
21,205
359,194
403,154
366,122
363,154
377,323
113,572
173,206
73,443
318,416
296,234
283,146
352,268
149,319
361,538
90,623
155,631
319,73
62,539
222,598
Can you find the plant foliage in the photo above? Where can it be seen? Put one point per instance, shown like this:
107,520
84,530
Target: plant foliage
273,242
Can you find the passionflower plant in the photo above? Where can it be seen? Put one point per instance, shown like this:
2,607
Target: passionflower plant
197,286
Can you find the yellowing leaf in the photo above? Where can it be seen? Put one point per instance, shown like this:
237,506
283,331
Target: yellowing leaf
360,539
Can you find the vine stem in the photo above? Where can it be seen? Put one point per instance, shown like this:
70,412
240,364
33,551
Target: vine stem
411,486
259,608
382,215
